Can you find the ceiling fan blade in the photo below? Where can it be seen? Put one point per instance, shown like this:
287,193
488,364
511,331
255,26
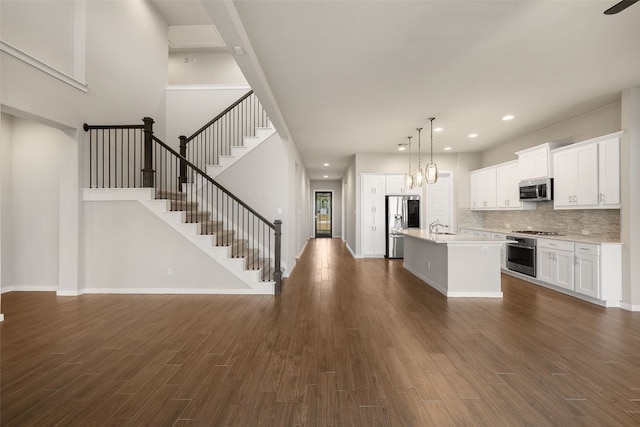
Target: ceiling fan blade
619,7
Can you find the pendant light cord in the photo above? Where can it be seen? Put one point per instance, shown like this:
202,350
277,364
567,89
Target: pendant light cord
432,119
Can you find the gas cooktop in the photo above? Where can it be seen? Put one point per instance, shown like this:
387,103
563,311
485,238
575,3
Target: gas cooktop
536,232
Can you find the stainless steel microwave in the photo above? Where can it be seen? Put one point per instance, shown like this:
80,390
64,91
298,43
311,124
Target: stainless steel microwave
535,190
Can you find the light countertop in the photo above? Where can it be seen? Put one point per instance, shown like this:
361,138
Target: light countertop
570,237
450,238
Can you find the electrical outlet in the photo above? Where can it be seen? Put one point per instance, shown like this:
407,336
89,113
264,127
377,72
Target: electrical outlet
585,232
507,225
169,272
529,227
429,264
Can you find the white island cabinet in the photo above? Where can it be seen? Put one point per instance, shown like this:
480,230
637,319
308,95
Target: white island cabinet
459,265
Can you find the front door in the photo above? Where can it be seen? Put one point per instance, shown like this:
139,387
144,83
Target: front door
323,214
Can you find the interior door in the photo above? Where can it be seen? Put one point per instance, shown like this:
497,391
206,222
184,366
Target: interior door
323,208
440,202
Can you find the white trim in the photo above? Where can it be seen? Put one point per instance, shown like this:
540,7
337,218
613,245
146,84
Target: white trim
68,293
176,291
201,87
39,65
630,307
116,194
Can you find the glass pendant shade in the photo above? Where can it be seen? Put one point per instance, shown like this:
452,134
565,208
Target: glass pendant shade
408,181
431,171
418,177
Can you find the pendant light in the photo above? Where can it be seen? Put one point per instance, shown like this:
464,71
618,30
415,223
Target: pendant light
418,177
408,180
431,171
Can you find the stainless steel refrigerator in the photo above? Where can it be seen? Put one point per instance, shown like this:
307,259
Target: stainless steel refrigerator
401,212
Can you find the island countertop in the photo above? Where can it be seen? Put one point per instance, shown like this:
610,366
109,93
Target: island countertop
419,233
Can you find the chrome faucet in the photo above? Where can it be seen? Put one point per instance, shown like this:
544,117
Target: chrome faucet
435,224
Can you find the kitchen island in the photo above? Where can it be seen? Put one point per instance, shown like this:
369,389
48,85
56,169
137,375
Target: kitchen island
456,265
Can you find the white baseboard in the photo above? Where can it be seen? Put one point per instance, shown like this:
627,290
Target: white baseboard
629,307
66,293
173,291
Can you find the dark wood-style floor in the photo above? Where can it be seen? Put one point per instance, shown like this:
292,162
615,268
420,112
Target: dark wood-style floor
349,342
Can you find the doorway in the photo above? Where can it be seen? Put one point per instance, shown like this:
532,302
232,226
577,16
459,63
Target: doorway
323,213
440,201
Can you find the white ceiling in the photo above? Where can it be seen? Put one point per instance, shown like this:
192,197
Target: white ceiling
341,77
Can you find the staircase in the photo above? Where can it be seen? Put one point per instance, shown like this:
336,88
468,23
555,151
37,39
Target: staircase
176,189
237,152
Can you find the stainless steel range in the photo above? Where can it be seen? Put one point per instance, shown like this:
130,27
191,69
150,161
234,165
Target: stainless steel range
521,255
537,232
521,251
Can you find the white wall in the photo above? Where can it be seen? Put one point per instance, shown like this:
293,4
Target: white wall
31,203
5,193
601,121
350,206
193,67
191,107
328,185
630,198
125,68
261,179
130,249
45,29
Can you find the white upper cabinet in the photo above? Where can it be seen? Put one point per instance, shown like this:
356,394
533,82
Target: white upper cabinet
609,172
395,184
483,188
576,182
535,162
497,187
507,188
588,174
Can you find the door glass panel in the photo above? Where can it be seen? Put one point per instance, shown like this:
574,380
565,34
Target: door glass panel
323,214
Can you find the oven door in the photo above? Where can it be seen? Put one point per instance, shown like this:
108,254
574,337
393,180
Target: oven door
521,258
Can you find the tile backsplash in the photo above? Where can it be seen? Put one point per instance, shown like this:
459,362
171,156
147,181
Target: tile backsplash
597,222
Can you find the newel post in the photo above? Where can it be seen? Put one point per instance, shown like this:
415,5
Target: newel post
182,179
147,170
277,247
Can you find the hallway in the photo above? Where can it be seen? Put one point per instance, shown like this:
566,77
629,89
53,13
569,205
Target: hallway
357,342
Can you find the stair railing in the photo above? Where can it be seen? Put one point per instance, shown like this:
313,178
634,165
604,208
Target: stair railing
130,156
226,130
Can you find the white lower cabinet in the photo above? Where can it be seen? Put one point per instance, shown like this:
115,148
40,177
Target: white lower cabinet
503,250
373,240
587,270
555,262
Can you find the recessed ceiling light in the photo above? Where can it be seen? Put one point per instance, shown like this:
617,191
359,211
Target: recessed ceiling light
447,148
325,166
326,176
438,129
473,135
507,117
402,147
